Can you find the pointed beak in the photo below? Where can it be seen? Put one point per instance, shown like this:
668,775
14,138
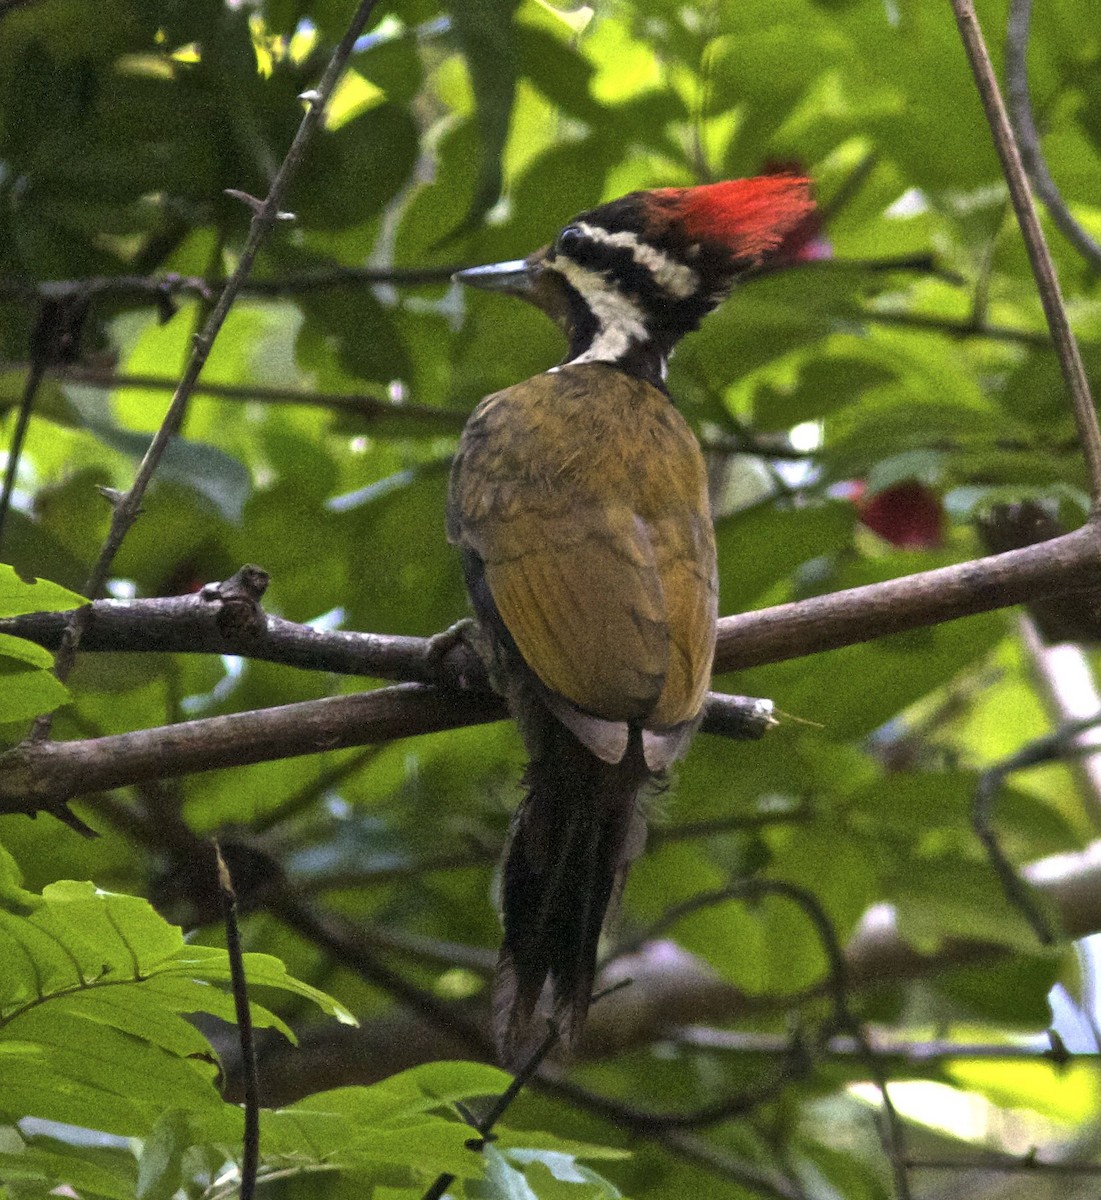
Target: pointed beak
513,277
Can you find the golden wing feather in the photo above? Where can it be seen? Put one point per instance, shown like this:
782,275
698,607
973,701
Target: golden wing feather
590,517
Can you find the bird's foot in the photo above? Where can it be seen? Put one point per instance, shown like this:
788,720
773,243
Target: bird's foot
454,657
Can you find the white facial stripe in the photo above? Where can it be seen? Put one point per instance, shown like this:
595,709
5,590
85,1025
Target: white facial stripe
609,345
619,321
676,278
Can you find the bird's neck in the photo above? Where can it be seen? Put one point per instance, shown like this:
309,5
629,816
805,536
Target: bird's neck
641,359
614,331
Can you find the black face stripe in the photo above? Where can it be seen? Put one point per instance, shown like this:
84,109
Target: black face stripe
631,284
667,317
618,265
583,325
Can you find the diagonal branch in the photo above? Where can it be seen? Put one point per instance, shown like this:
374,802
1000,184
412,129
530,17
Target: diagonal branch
1064,564
265,215
1020,105
1040,257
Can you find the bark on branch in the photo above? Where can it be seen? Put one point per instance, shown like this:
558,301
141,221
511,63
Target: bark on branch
448,691
37,776
192,624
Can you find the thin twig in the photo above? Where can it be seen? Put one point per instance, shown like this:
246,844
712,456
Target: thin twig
708,1157
980,299
479,855
1029,1163
372,409
1043,749
265,217
1036,339
1047,282
306,796
892,1134
500,1107
850,187
159,289
932,1054
22,422
1028,137
250,1154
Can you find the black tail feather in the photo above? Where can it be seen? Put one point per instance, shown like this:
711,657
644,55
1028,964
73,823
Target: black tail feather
571,843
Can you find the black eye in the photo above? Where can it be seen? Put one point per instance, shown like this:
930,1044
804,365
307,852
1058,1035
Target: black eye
569,239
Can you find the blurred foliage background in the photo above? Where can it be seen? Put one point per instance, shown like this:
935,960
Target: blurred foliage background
863,409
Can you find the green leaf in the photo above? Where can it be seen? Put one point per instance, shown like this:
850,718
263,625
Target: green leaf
823,385
97,979
160,1163
18,595
27,691
221,479
378,149
564,1167
951,896
412,1093
767,544
14,898
51,1163
503,1181
387,1124
487,34
262,970
22,651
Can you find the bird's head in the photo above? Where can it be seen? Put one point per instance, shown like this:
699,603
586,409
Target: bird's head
627,280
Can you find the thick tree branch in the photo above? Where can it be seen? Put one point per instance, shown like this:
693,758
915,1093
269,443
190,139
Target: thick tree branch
37,776
195,624
1063,565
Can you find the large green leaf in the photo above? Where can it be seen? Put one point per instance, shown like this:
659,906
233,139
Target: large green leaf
92,1010
19,595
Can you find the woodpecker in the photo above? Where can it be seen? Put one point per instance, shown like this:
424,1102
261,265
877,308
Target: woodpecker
578,500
